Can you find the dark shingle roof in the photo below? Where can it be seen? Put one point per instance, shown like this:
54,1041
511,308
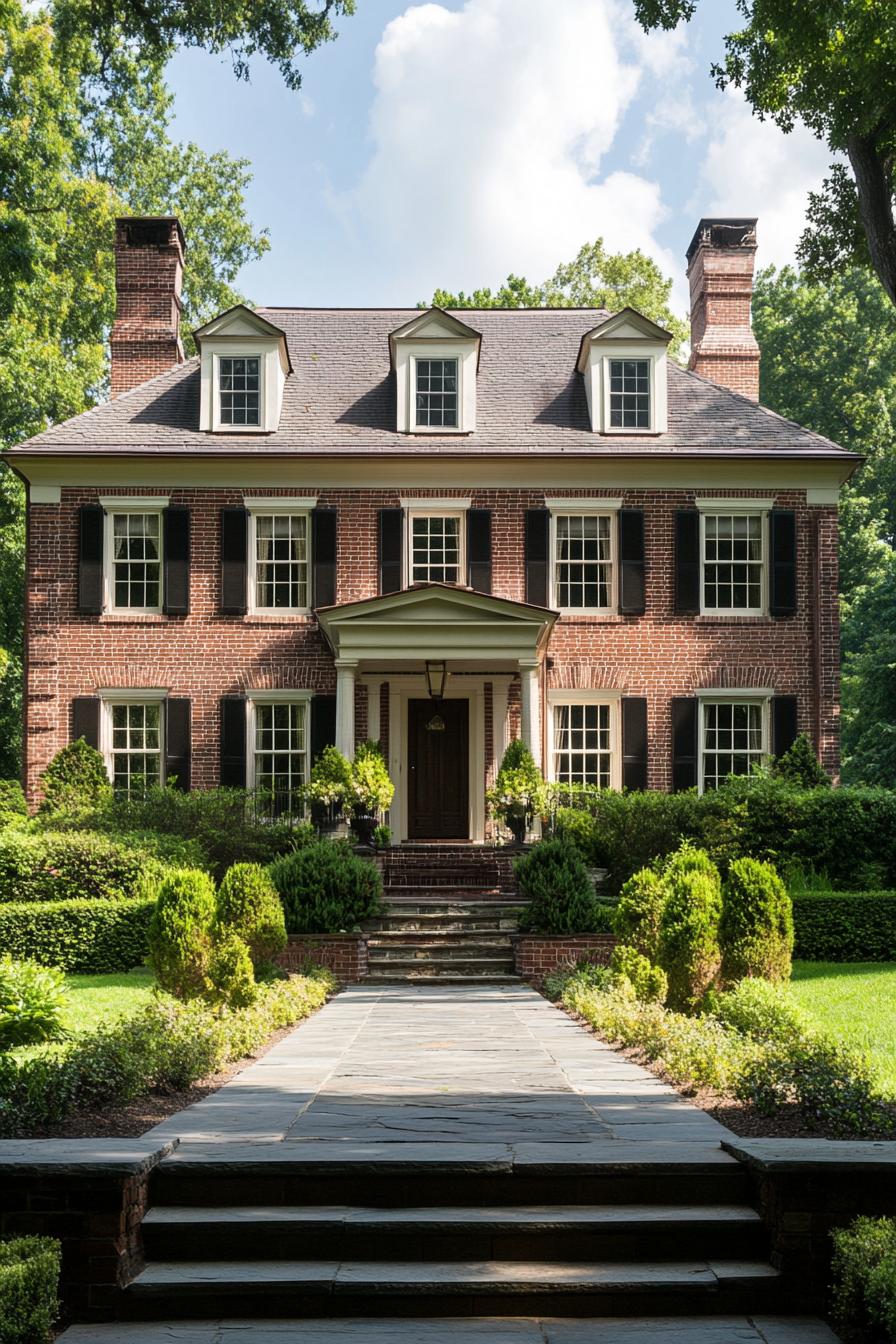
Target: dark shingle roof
341,399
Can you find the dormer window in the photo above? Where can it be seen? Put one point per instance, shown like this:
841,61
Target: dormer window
624,366
239,390
435,357
437,392
629,393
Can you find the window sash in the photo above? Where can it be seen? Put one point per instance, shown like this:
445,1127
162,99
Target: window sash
583,744
583,561
435,547
733,563
280,753
135,745
281,561
435,393
629,393
239,390
134,548
732,739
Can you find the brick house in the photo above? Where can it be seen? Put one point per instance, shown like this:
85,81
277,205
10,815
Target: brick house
328,516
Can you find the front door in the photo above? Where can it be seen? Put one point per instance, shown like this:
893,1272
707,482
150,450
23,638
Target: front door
438,769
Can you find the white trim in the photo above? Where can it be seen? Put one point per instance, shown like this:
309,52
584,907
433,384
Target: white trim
279,503
762,609
236,353
252,608
130,506
582,504
45,494
731,697
435,503
626,357
440,509
613,699
275,697
738,505
135,503
458,357
130,696
585,510
133,695
823,495
278,697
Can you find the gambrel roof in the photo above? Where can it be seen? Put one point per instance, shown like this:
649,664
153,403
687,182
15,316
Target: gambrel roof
340,399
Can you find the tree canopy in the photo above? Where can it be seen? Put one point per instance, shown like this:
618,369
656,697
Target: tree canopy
595,278
831,66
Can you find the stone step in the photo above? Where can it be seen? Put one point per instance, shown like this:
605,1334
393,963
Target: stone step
399,925
461,894
460,908
416,964
302,1288
423,976
439,949
583,1233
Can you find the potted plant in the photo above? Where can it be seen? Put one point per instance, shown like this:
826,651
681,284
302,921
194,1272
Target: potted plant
371,791
516,790
329,788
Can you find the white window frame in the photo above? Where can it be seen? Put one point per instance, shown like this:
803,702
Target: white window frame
585,509
130,696
447,510
218,426
257,698
653,420
726,509
762,697
295,508
613,699
150,505
458,356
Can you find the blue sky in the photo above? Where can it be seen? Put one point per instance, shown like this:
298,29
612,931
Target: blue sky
450,143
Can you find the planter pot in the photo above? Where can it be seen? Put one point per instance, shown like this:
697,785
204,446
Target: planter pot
517,824
326,818
363,825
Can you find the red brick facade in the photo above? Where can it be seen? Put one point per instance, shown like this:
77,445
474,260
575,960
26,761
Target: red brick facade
536,956
345,954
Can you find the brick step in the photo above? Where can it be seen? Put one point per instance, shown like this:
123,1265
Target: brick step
580,1234
304,1288
440,949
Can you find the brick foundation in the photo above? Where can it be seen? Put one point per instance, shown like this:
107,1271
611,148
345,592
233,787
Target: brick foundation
537,955
345,954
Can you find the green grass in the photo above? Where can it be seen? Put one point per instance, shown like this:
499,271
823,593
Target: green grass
95,1000
857,1002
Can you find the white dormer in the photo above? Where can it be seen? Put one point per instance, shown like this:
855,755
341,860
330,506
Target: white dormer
435,358
623,361
244,361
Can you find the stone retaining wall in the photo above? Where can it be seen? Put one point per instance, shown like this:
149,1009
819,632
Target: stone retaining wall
345,954
536,955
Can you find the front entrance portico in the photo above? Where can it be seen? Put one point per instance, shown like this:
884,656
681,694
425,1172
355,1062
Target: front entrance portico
487,643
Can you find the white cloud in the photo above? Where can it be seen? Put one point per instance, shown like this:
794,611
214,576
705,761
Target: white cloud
489,127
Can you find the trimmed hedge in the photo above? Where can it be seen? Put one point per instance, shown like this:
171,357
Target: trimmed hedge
845,925
81,865
29,1288
863,1268
78,936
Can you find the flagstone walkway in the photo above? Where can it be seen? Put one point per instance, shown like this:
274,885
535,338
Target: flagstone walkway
483,1064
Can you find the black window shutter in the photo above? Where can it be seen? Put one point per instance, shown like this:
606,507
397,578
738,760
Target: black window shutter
176,529
323,557
391,532
783,723
687,562
233,742
684,743
86,719
323,724
177,742
782,544
537,542
234,560
479,550
634,742
91,526
631,562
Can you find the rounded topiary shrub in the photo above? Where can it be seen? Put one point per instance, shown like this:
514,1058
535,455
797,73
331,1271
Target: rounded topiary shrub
32,1003
249,906
29,1288
689,950
650,983
75,780
554,880
756,930
636,919
180,932
326,888
230,974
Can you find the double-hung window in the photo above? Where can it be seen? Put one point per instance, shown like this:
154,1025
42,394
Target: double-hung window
239,390
733,738
436,393
279,752
733,563
584,734
132,732
134,560
583,561
279,567
629,393
435,547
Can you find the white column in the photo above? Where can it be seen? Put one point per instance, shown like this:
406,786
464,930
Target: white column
530,707
345,705
499,719
373,711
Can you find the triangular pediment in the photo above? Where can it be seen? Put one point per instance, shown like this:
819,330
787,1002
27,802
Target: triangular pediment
433,325
626,325
241,323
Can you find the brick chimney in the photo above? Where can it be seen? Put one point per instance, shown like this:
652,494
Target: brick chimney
149,268
721,258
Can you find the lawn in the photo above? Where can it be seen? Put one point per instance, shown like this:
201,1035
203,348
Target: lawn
857,1001
97,999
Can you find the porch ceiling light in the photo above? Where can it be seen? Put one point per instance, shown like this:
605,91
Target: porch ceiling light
436,673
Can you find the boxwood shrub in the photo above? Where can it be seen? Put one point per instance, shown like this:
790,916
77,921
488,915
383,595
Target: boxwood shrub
863,1294
29,1288
844,925
81,937
76,865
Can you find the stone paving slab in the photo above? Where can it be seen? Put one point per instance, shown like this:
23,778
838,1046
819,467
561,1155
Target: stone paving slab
81,1157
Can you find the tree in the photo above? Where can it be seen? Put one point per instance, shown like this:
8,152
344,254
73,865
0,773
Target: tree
594,279
832,67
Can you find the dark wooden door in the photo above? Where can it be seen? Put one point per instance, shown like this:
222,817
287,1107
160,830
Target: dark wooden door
438,769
